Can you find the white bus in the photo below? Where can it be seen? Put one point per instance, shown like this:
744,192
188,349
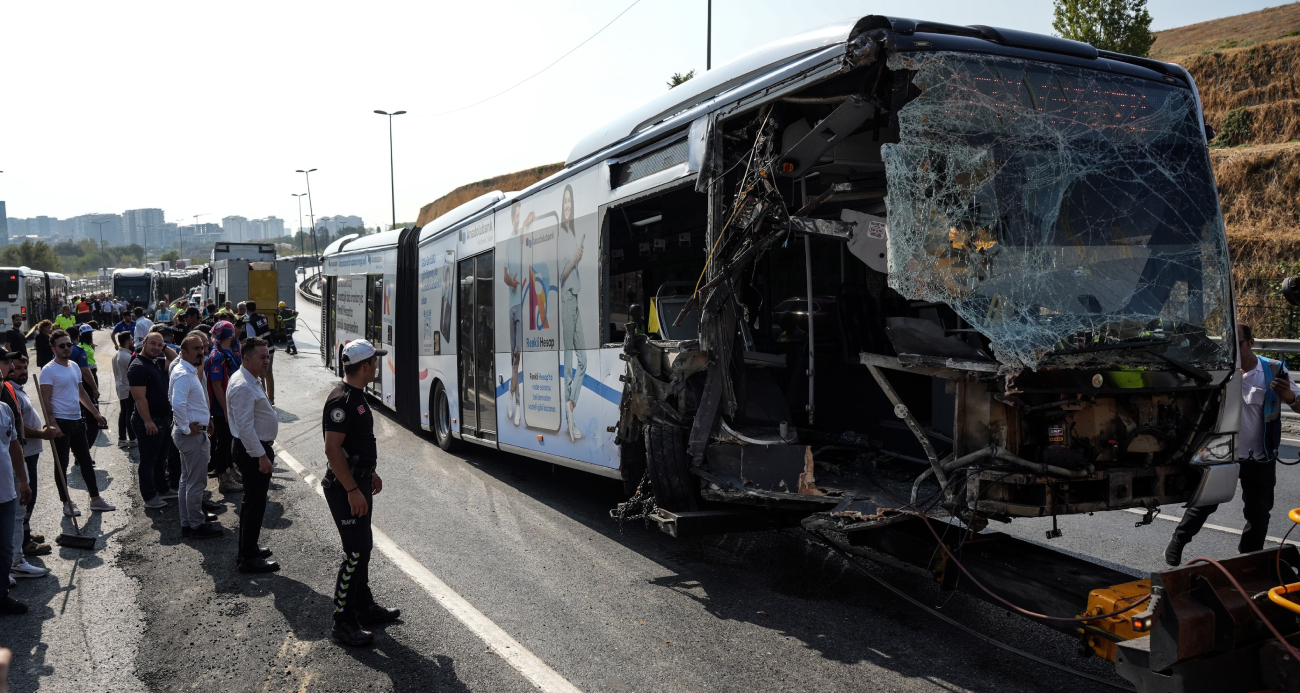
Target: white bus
137,286
1023,302
34,294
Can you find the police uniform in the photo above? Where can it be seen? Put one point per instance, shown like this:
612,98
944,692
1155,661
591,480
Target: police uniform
348,412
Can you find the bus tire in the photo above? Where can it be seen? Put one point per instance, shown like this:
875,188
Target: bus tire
632,464
676,489
440,419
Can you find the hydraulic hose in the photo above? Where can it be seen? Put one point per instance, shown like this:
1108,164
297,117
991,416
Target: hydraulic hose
1004,455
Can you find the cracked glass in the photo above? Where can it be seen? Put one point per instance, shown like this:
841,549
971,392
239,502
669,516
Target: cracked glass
1058,209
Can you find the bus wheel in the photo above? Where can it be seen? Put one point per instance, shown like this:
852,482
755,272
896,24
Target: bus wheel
632,464
676,488
440,419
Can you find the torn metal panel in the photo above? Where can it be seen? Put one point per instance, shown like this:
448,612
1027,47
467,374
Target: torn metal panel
773,468
1053,207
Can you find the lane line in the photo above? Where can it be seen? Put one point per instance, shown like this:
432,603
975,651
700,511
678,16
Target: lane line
1221,528
538,673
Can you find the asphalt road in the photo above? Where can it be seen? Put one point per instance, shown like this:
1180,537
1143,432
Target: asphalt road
532,548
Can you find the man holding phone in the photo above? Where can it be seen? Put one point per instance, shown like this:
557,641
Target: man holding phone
1265,386
189,433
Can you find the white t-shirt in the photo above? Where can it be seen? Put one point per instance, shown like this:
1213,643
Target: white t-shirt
142,327
1253,389
31,419
64,381
8,432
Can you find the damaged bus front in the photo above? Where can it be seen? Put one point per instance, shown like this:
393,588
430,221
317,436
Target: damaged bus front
943,270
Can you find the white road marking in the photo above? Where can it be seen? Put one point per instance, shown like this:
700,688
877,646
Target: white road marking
538,673
1221,528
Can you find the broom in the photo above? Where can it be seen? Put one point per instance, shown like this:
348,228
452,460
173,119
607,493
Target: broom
72,541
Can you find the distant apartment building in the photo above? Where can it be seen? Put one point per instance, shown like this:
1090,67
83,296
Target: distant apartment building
139,224
270,227
98,227
236,228
337,223
4,224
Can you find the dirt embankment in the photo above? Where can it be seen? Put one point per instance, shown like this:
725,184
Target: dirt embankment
510,181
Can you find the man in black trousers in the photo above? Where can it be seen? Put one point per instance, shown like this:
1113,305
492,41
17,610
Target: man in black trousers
350,485
254,427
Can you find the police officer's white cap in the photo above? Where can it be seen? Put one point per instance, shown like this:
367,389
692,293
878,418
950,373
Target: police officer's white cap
359,350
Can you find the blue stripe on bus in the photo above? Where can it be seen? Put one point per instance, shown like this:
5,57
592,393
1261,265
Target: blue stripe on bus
601,389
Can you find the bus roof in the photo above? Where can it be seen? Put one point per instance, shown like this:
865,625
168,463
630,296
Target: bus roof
708,85
462,212
387,239
132,272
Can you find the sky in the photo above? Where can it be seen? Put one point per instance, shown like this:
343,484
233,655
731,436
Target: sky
209,108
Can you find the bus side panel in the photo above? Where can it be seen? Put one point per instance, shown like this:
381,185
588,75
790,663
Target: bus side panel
548,327
436,305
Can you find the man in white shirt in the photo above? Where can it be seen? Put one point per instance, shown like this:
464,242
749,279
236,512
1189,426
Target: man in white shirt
1265,386
254,426
143,326
14,491
189,433
62,396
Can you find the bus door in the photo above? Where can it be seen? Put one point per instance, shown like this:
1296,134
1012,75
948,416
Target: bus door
478,402
329,287
374,327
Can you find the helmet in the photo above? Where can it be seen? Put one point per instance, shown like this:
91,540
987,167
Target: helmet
282,304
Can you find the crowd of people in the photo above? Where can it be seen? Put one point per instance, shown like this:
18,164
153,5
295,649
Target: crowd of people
195,390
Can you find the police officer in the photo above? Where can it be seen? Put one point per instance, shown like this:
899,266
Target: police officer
349,484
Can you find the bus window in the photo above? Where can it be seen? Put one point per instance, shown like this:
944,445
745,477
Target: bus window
653,242
9,286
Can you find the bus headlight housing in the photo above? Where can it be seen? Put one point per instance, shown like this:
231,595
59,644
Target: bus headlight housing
1216,449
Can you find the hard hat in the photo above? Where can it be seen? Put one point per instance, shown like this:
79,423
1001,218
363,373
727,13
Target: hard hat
282,304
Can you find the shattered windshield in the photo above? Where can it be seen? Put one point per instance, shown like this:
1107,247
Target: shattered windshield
1058,209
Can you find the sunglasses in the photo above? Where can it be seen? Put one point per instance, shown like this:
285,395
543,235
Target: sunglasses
61,345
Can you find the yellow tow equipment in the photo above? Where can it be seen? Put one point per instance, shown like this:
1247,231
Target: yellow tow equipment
1278,594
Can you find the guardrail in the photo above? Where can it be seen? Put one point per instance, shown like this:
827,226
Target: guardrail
1281,346
305,289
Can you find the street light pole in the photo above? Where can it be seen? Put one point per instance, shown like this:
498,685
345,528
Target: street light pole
103,256
302,243
392,182
311,210
180,236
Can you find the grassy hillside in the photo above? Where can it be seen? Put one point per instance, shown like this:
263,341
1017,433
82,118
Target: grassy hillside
1230,32
1247,69
510,181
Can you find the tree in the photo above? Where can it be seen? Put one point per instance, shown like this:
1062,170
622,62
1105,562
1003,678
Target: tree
1122,26
679,79
171,256
38,256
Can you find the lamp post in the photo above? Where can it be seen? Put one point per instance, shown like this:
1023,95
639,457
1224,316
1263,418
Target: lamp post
302,243
392,183
311,210
103,256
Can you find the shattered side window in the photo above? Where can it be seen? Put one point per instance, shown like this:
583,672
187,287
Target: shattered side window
1056,208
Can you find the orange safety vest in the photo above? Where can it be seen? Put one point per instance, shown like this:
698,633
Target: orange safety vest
83,307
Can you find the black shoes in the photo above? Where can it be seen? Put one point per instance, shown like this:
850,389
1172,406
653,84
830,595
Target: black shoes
378,614
1174,553
263,552
257,565
211,507
204,531
209,517
10,607
348,631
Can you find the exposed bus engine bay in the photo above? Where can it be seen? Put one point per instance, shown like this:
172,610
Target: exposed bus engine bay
977,284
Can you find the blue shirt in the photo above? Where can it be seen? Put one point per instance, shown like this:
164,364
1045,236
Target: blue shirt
79,356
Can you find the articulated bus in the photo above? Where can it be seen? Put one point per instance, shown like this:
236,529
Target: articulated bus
793,283
31,293
136,286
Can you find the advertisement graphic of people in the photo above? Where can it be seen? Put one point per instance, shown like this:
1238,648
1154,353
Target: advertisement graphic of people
571,338
513,276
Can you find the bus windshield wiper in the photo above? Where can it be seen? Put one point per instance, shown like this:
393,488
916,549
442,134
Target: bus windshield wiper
1195,373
